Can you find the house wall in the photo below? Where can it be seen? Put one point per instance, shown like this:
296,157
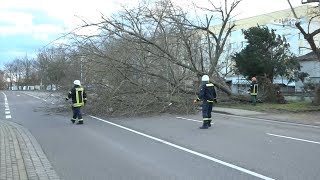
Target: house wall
311,67
284,24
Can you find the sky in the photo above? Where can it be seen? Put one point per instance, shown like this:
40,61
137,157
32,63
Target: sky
29,25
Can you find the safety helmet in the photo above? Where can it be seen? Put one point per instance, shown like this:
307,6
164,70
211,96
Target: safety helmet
205,78
77,82
253,79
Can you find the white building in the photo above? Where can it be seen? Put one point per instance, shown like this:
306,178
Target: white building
311,65
284,24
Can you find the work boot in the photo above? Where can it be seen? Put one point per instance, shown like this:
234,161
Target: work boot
204,125
209,123
80,121
73,121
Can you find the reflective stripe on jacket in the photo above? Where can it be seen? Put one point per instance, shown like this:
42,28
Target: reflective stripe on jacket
78,95
207,92
254,89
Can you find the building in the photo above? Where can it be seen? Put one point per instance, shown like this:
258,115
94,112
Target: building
311,65
284,24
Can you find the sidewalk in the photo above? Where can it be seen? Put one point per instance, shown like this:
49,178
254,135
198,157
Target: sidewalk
308,118
21,157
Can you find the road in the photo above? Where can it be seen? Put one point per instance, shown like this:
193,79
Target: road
167,146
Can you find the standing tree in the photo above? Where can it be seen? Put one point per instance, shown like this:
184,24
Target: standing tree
52,65
266,55
310,35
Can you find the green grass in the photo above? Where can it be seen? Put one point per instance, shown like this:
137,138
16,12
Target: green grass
269,107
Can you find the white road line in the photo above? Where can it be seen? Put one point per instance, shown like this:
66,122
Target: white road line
269,120
212,123
297,139
34,96
6,104
189,119
188,150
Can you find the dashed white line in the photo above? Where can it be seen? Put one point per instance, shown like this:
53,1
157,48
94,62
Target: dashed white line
188,150
188,119
297,139
6,104
193,120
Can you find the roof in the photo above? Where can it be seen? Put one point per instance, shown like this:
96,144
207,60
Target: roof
283,81
311,56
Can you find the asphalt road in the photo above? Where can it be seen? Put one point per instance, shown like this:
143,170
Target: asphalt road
168,146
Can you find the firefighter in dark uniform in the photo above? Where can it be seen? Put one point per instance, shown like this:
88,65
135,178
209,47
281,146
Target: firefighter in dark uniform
79,98
254,90
208,95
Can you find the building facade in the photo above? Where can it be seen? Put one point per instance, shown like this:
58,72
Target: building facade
284,24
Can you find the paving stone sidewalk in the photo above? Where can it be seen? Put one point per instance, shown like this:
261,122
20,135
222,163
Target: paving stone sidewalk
21,156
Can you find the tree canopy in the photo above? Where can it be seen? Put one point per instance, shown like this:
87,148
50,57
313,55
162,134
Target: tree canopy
266,54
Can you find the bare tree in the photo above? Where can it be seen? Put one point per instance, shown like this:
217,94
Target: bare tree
309,36
150,57
52,65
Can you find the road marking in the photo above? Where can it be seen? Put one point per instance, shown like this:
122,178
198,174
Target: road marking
6,104
212,123
269,120
188,150
35,97
189,119
304,140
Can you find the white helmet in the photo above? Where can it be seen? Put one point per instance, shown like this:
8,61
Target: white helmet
77,82
205,78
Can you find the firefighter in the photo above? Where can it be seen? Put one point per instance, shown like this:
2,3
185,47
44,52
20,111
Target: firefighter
79,98
208,95
254,90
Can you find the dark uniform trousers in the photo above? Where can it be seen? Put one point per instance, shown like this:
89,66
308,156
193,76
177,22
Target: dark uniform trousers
76,113
206,110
